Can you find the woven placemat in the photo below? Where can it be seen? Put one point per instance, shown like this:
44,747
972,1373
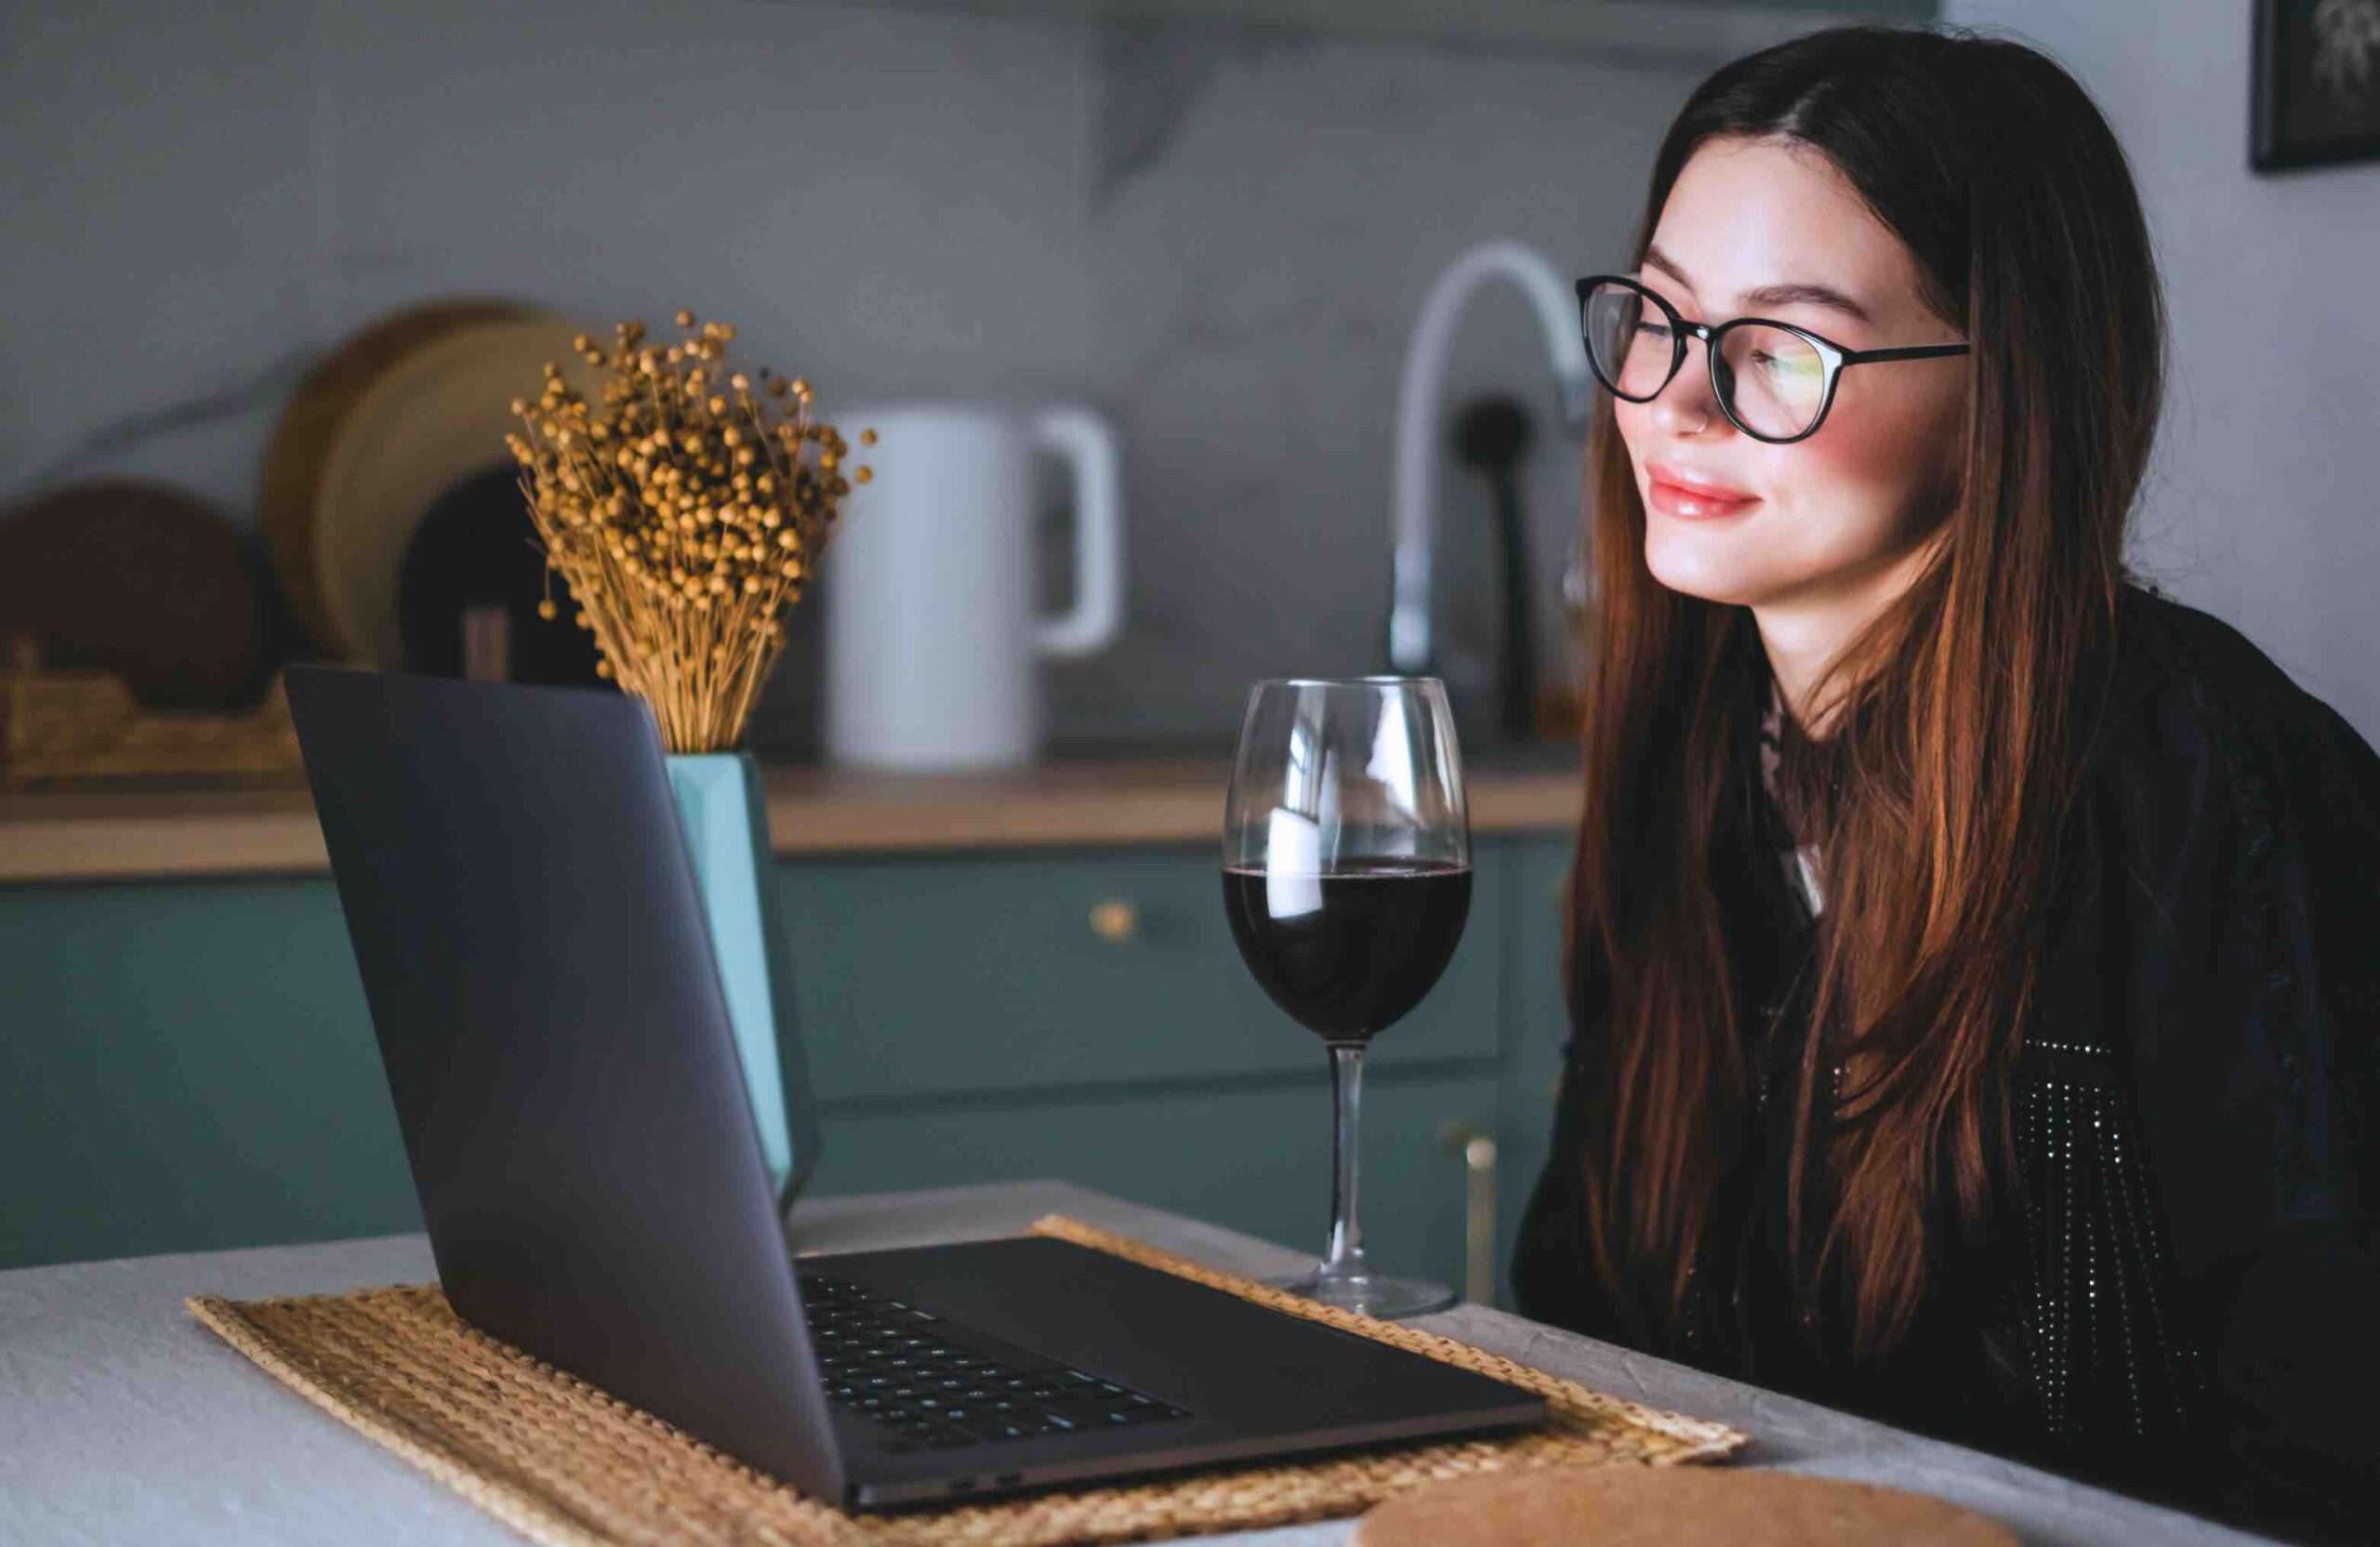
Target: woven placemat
567,1465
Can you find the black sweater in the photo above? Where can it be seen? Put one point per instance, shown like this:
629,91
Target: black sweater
2177,1291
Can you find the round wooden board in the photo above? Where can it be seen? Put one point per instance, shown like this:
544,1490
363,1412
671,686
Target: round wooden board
1670,1506
291,476
141,579
434,418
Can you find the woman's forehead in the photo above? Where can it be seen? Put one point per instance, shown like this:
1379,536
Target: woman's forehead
1749,222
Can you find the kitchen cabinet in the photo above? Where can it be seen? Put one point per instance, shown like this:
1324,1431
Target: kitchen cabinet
188,1064
1100,967
1537,1027
1257,1158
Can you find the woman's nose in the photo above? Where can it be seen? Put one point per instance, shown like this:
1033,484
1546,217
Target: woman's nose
1686,405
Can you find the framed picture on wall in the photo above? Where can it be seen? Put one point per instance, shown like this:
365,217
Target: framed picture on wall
2317,92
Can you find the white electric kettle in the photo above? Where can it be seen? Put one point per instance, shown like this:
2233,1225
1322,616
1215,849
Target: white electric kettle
933,635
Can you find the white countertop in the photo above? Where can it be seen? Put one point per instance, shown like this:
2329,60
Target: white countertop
124,1420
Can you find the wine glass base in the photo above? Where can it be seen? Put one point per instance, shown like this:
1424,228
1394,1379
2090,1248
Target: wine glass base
1371,1294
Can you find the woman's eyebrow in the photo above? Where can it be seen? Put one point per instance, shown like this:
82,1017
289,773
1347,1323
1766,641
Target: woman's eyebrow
1804,293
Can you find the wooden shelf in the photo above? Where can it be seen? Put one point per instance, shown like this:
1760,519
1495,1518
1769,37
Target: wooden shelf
76,835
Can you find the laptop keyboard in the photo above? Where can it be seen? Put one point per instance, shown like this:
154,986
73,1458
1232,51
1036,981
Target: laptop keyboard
938,1385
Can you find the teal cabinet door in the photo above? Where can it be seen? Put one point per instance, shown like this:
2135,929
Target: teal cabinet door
1537,1027
185,1067
988,974
1257,1160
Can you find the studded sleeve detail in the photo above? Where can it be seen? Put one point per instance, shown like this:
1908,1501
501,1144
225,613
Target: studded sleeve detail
2110,1360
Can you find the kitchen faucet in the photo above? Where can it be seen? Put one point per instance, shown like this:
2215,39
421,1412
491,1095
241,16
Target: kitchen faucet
1413,513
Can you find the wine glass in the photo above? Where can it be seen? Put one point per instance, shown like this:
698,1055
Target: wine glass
1347,879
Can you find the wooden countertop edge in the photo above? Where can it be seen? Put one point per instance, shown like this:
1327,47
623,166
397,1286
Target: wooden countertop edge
131,837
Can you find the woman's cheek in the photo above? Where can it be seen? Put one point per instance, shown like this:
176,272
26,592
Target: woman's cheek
1865,469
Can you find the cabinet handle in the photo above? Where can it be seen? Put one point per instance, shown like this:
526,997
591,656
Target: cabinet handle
1478,1152
1116,921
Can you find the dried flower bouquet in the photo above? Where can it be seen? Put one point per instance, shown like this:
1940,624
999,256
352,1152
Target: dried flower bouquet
684,507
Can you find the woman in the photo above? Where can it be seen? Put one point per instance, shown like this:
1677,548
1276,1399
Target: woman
1971,953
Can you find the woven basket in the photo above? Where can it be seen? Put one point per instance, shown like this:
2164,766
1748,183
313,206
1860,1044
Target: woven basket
86,725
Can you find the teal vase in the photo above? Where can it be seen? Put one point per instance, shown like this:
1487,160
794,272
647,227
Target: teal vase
726,822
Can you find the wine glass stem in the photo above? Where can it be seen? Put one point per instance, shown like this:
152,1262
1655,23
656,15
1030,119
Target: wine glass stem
1346,1255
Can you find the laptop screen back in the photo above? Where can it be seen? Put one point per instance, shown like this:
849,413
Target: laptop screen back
548,1012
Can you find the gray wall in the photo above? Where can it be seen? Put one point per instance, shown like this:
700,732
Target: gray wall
1219,237
2264,504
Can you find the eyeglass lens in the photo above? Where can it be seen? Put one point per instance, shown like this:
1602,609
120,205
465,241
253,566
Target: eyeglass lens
1771,380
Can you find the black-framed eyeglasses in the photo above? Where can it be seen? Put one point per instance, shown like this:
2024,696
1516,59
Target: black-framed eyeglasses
1774,382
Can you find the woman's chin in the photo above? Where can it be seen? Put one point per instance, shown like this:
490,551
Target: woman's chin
1706,576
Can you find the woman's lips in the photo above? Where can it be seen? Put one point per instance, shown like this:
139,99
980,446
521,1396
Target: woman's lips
1691,504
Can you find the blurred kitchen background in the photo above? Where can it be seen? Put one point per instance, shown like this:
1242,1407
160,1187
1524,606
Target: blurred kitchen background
1215,225
1214,222
1216,233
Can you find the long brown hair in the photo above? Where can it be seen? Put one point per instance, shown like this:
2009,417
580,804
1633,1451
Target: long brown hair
1951,761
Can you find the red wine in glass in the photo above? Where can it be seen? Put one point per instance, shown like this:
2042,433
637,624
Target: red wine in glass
1347,881
1349,953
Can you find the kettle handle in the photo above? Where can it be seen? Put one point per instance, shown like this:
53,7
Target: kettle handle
1088,446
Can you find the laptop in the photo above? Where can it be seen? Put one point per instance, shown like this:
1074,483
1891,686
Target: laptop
541,984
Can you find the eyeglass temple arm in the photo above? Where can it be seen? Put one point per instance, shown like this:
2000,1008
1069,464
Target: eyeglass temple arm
1912,351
